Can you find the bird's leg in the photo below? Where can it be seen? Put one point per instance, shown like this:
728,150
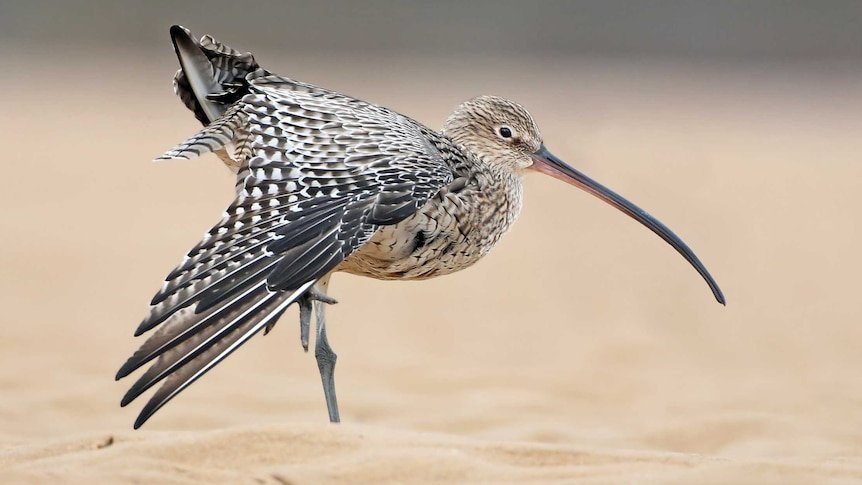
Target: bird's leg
305,306
317,299
304,320
324,354
326,363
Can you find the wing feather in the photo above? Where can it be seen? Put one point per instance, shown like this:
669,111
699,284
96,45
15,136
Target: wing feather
321,173
217,135
203,358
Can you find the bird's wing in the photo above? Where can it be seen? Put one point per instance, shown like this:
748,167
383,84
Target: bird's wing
321,173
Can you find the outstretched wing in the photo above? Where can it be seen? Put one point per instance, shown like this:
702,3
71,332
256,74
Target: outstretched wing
320,173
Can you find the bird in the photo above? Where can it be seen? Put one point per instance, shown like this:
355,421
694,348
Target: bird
328,183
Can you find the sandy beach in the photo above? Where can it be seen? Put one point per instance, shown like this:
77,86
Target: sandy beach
582,349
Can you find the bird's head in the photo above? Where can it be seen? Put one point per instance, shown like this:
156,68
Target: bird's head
501,132
496,130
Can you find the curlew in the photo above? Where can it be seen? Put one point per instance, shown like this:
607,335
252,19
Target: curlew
328,183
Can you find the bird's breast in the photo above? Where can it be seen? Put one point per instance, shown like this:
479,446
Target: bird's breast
451,232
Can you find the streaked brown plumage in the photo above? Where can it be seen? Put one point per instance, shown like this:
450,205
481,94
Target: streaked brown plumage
329,183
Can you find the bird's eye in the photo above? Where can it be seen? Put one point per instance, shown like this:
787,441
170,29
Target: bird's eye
505,132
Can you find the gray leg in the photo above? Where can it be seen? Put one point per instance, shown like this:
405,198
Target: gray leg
305,307
304,320
326,363
325,356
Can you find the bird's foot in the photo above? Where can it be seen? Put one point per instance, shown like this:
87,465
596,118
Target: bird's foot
314,294
305,307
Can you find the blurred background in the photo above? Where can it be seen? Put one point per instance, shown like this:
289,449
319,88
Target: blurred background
736,123
768,30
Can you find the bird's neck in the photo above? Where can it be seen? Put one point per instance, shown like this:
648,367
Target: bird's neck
489,176
495,191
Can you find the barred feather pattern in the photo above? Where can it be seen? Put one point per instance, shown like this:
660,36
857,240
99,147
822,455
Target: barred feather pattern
221,134
324,168
229,68
451,232
320,173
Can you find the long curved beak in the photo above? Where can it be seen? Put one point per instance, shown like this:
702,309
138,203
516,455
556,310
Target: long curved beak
545,162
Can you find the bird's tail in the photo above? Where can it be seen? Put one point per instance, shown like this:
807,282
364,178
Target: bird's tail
212,76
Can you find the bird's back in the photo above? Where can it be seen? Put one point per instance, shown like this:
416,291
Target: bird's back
456,227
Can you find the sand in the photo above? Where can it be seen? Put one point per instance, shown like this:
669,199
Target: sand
582,349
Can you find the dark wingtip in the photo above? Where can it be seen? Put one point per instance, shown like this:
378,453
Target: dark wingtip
126,369
177,31
146,325
182,39
139,387
131,395
149,409
141,420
